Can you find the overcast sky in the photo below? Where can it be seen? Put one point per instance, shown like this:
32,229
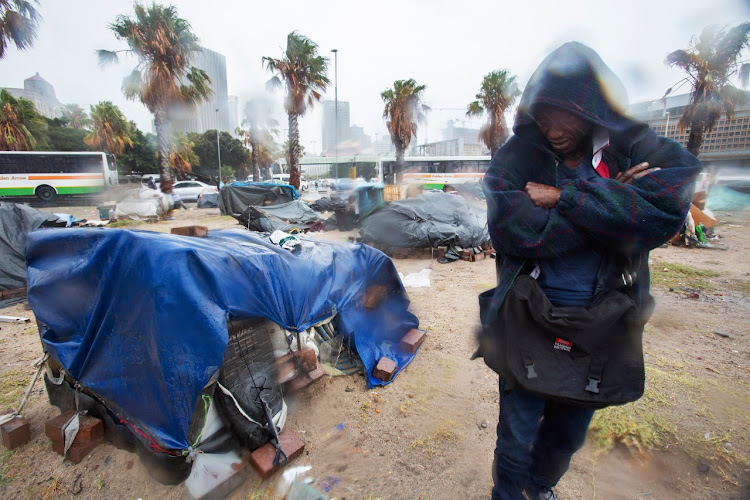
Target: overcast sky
447,45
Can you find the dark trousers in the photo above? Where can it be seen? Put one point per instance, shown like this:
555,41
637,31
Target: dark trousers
535,440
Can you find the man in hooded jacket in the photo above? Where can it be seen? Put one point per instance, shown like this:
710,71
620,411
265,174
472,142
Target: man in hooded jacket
578,183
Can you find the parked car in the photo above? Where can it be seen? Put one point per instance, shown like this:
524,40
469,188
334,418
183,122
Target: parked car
209,197
189,190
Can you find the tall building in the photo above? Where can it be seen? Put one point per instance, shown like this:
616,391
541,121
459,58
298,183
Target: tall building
39,91
330,123
727,144
214,113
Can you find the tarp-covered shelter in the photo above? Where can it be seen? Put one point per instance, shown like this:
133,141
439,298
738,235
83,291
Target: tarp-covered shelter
429,220
139,319
236,197
285,217
16,222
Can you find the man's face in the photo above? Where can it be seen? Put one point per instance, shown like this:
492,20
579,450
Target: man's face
566,132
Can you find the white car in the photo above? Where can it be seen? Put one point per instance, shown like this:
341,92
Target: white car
189,190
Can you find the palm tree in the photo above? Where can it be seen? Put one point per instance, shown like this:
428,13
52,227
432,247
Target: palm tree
111,132
22,128
304,73
499,91
75,116
182,157
710,62
163,44
259,124
403,109
19,21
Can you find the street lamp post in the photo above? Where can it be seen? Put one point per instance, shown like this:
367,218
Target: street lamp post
218,145
666,128
336,104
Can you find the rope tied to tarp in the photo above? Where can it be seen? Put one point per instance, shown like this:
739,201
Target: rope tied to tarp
38,364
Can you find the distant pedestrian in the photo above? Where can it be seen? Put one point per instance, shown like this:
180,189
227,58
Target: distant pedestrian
576,199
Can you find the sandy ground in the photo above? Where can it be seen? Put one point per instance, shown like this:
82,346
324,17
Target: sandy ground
431,433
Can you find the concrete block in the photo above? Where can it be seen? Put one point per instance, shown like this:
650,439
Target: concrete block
262,458
198,231
412,340
15,433
385,369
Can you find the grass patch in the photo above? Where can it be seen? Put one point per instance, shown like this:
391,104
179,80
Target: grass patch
125,223
5,478
12,385
737,285
433,444
675,275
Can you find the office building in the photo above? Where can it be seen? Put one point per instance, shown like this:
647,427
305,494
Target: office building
214,113
332,132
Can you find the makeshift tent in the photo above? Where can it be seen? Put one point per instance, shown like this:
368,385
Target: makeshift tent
139,319
285,217
16,222
143,203
208,200
236,197
428,220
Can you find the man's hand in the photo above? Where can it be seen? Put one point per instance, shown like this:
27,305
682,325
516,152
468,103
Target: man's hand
634,173
542,195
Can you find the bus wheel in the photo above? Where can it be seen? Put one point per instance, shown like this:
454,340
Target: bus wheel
46,194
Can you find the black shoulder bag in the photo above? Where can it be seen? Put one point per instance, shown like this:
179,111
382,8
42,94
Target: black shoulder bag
585,356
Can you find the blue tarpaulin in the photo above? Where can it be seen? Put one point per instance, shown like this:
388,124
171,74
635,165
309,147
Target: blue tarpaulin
140,318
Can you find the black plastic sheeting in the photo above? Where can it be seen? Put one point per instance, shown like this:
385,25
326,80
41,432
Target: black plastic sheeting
16,222
287,216
326,204
429,220
236,197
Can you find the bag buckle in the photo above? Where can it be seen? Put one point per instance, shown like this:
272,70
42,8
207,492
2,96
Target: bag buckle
530,372
593,385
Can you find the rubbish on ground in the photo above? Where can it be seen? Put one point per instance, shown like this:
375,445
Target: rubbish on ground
13,319
693,295
420,279
722,334
304,491
284,240
327,483
143,203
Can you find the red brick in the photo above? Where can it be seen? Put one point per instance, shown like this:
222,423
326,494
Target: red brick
412,340
90,428
307,358
198,231
15,433
13,294
262,458
479,256
78,450
303,380
385,369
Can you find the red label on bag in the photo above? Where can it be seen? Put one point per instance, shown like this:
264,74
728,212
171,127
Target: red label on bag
563,344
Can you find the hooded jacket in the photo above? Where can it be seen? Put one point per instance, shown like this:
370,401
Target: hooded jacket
624,220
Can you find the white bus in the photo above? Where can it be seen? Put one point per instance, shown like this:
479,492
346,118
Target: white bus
47,174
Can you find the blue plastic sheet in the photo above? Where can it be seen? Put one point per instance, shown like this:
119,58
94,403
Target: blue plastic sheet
140,318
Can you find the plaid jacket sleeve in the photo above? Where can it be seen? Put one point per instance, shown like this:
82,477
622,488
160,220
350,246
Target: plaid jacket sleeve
518,227
639,216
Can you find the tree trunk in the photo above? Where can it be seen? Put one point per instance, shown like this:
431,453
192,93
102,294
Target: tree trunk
254,157
695,139
163,140
293,151
398,173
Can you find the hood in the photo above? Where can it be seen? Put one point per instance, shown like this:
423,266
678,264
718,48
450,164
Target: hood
575,78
